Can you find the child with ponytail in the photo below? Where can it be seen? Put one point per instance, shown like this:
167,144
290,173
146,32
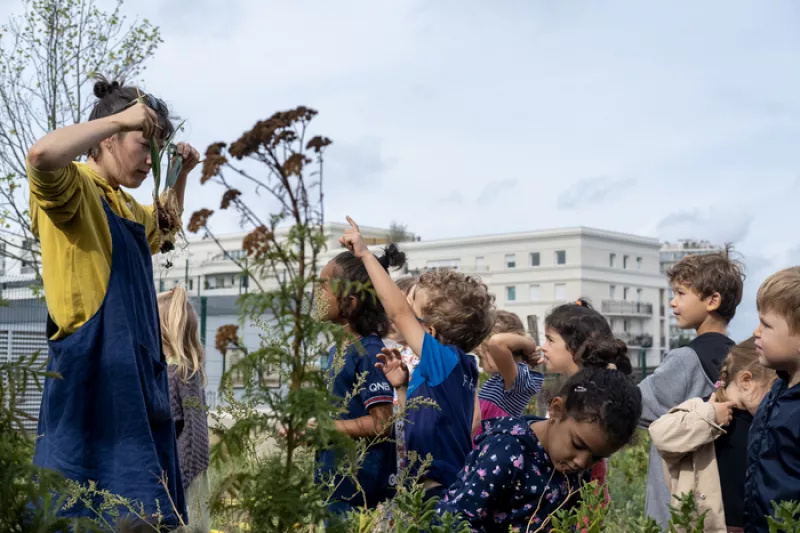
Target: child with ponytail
342,299
567,328
180,339
703,441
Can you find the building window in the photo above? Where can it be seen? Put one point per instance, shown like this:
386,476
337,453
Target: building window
612,260
638,263
443,264
626,325
638,295
244,281
536,293
511,294
190,284
561,257
226,281
612,291
625,261
161,285
511,260
561,292
625,292
536,259
480,264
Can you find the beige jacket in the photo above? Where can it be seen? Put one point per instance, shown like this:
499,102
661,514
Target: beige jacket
685,439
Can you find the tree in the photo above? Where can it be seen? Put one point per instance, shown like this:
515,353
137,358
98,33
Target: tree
48,58
399,233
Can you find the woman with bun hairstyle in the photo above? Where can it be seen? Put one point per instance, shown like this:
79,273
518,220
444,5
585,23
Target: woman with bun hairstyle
107,418
524,470
342,299
566,331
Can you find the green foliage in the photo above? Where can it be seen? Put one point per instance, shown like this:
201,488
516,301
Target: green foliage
786,519
49,55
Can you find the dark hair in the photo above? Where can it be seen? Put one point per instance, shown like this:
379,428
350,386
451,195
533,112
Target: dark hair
601,350
114,97
460,308
608,396
575,323
367,316
709,273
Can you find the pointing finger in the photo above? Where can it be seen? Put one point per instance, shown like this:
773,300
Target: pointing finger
353,224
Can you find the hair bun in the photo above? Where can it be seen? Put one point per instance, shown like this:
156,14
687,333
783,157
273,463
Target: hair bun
605,352
392,257
103,87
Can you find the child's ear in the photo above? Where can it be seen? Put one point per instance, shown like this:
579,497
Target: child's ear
713,302
556,408
745,379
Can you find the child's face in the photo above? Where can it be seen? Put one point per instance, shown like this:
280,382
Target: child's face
689,309
557,357
326,303
574,446
777,347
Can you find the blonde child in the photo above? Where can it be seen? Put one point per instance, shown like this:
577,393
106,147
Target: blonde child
703,442
181,344
773,471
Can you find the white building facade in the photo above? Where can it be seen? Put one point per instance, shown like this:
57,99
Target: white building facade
529,273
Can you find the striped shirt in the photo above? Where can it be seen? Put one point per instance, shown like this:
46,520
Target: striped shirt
515,400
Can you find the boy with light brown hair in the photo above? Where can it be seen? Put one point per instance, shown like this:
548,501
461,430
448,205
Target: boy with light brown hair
773,462
708,289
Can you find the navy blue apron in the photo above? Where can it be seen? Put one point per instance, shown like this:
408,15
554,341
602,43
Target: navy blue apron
108,420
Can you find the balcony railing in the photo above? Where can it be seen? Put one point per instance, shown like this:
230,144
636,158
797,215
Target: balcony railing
617,307
635,339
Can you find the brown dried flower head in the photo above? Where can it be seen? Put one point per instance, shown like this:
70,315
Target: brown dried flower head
199,220
256,243
294,164
271,132
229,196
213,161
318,143
226,336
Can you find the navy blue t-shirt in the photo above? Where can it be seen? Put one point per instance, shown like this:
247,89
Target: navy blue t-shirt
448,376
377,472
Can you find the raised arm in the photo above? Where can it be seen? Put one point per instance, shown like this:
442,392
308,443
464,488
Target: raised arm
59,148
501,349
390,295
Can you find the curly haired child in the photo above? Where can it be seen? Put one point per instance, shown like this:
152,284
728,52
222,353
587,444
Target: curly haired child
446,315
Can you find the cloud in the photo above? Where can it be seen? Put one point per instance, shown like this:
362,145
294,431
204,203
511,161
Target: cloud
592,190
492,190
454,198
361,163
718,225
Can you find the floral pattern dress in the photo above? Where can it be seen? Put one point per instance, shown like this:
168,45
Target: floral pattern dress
509,481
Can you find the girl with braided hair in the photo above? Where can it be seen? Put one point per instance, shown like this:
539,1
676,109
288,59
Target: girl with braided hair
703,441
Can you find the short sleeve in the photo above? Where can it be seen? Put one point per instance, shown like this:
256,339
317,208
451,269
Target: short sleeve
376,389
528,381
437,361
56,192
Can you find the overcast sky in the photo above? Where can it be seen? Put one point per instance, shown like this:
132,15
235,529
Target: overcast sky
669,119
